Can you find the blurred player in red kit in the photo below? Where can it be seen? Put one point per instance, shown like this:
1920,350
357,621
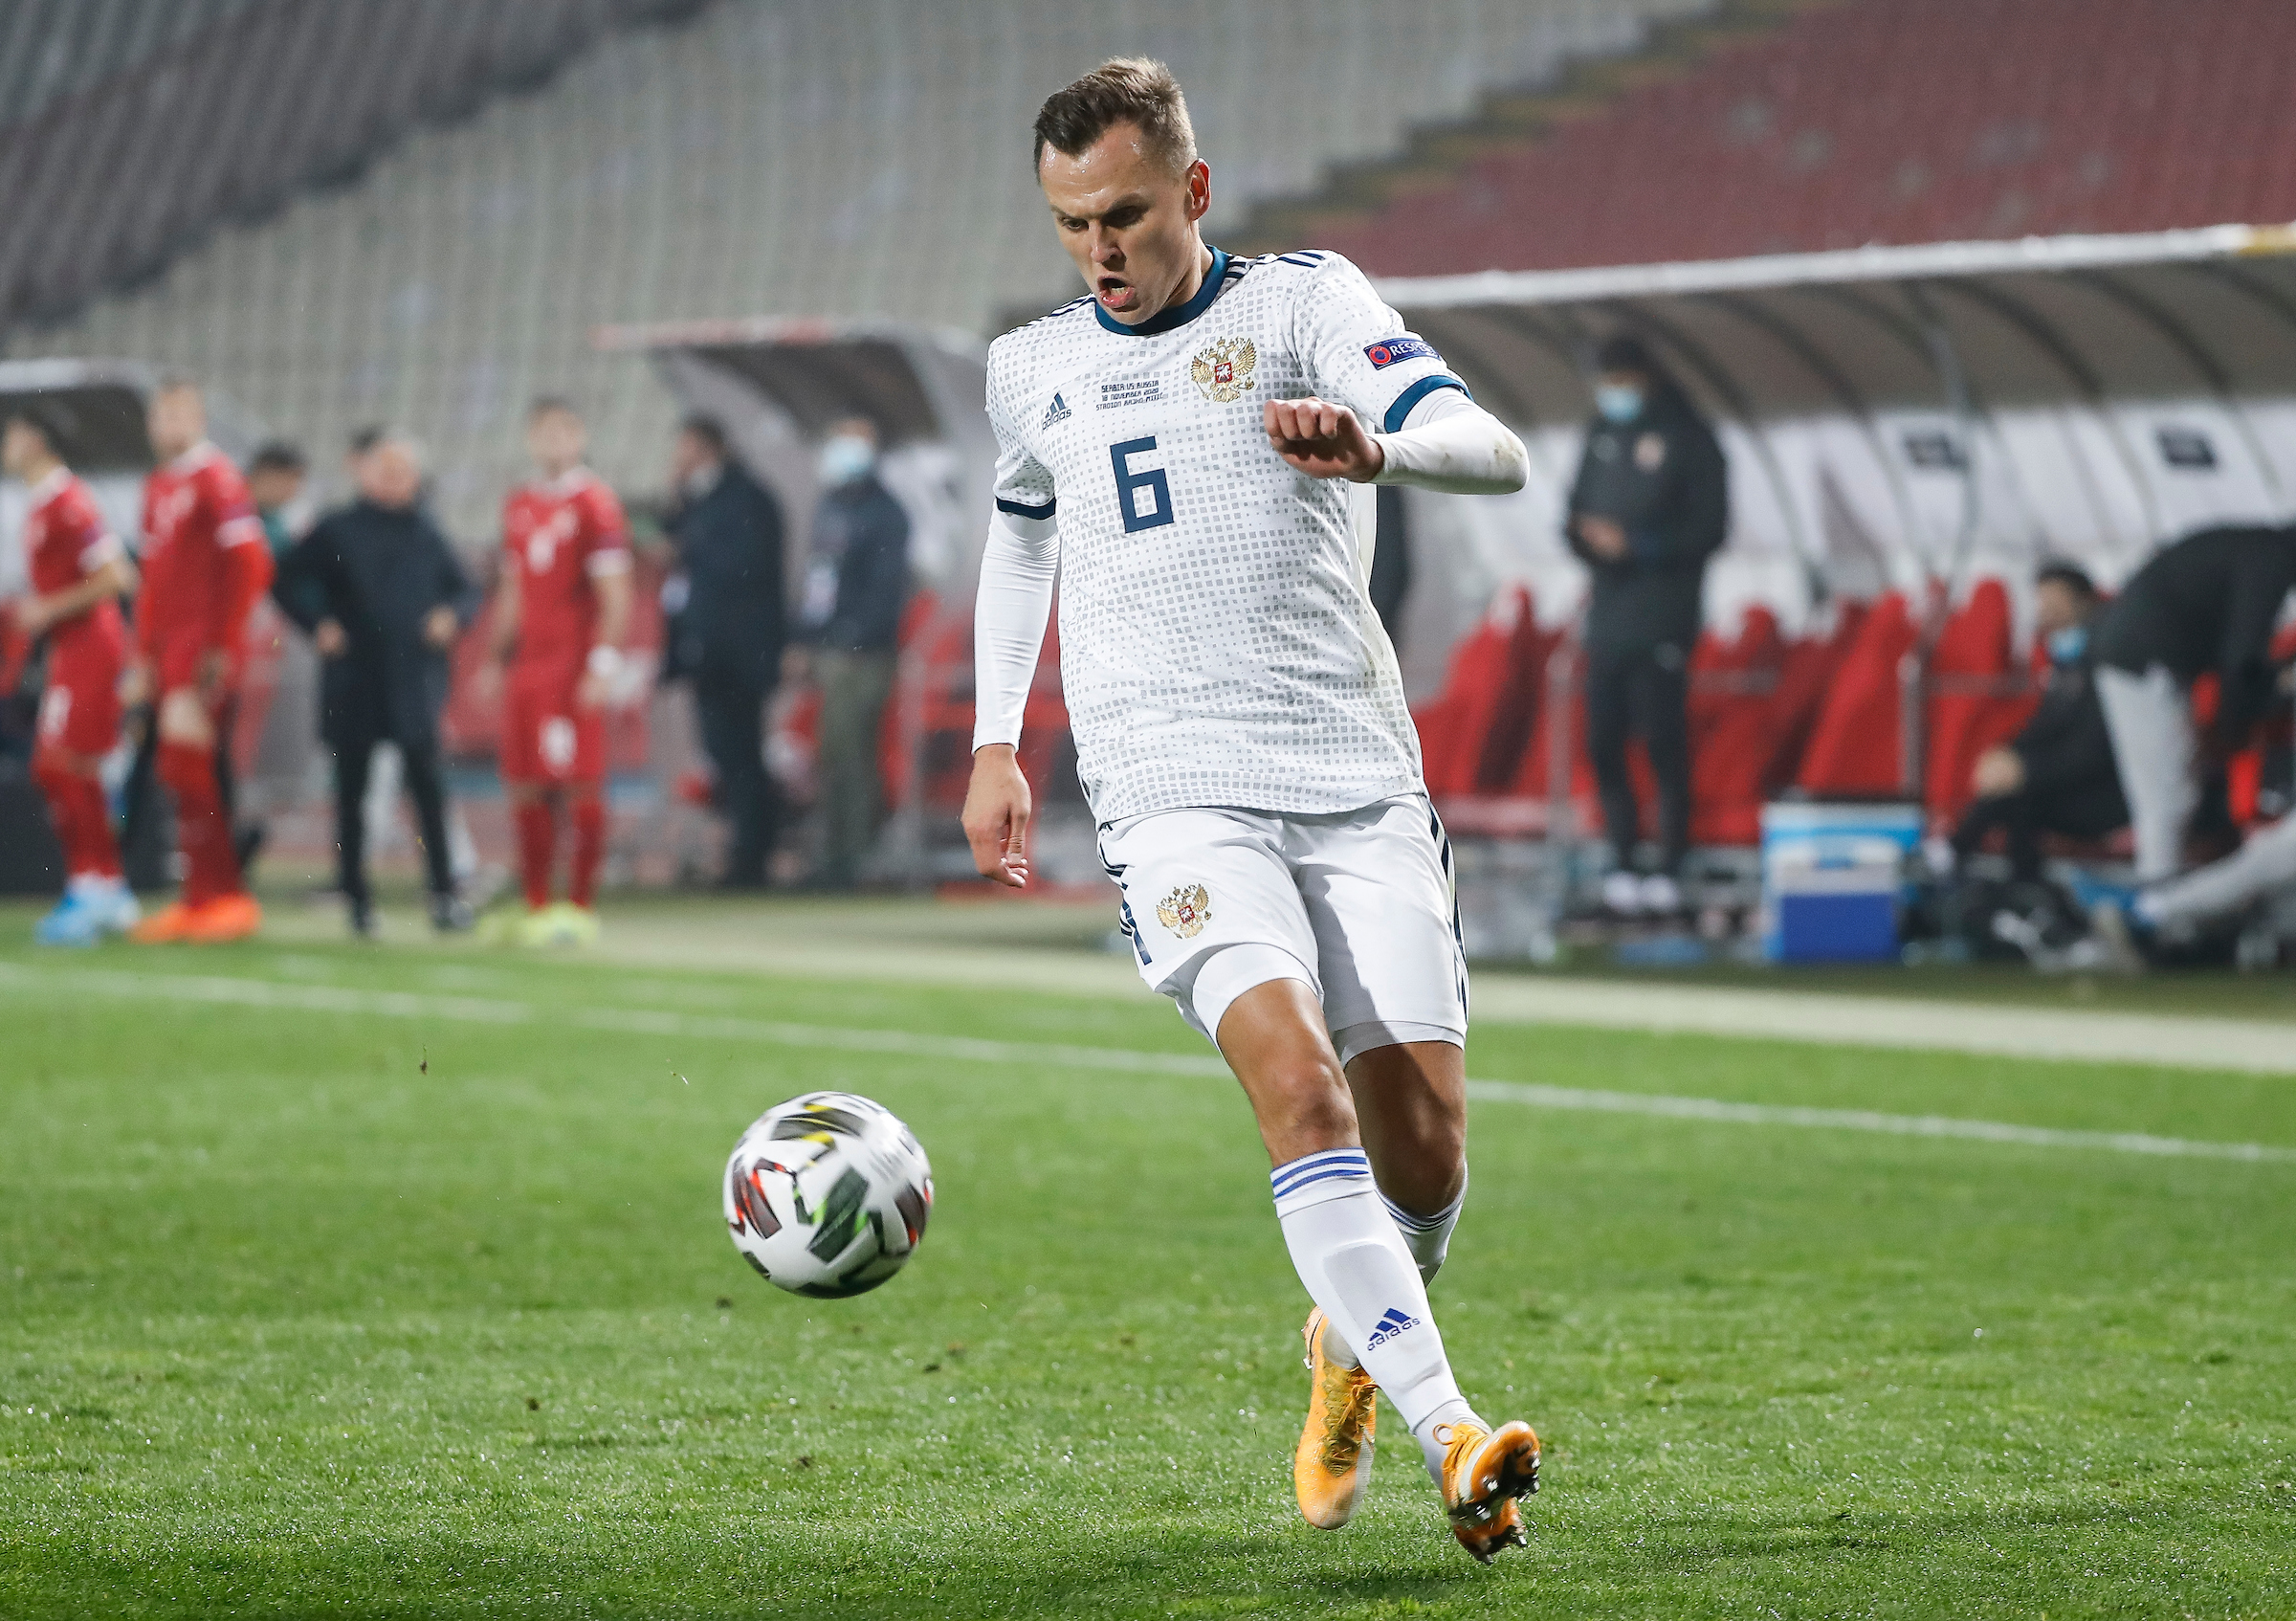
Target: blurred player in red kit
78,572
561,611
205,565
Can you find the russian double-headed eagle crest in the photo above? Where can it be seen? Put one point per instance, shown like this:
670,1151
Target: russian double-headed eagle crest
1224,371
1187,908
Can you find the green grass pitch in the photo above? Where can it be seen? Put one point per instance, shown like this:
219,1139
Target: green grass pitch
426,1309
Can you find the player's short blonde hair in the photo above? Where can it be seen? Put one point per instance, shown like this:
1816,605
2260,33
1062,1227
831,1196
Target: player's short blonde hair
1132,90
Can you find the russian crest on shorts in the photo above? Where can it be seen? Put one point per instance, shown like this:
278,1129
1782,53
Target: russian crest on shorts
1186,910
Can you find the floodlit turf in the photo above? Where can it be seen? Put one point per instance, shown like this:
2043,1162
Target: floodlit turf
398,1313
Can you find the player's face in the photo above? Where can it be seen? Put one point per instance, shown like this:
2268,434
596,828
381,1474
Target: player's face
556,440
176,421
1127,220
20,448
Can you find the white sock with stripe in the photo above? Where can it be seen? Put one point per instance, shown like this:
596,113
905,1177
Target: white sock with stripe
1428,1237
1353,1262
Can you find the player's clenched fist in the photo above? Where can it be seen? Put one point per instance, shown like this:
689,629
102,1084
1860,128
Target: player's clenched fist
1323,440
996,815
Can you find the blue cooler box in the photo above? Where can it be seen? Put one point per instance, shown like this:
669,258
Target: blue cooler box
1832,878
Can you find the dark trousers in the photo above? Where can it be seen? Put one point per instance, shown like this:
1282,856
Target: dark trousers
1642,692
354,758
854,687
2025,815
733,734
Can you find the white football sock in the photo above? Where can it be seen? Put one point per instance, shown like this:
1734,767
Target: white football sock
1428,1237
1348,1252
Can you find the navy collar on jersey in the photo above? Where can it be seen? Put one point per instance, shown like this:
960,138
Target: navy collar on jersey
1179,314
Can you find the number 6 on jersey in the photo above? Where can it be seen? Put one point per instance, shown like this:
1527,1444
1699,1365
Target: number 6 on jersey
1130,484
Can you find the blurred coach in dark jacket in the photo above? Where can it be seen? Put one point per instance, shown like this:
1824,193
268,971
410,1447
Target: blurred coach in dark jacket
2057,774
1649,506
728,632
384,598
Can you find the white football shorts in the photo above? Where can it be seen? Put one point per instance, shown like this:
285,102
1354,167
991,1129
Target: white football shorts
1360,906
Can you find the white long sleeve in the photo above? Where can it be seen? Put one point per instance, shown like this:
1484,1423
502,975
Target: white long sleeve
1450,443
1015,600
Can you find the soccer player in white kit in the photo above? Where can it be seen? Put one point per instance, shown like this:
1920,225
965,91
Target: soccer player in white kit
1189,446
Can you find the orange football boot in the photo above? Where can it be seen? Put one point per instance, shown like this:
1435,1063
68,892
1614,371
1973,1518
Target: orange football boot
164,926
226,918
1484,1470
1331,1466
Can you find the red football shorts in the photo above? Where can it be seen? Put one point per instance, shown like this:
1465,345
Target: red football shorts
79,712
545,739
177,668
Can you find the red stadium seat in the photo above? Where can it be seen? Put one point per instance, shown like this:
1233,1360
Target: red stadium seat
1733,693
1978,695
1882,121
1855,748
1473,734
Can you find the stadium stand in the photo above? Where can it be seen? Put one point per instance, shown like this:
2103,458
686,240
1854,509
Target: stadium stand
1874,120
774,156
155,120
54,50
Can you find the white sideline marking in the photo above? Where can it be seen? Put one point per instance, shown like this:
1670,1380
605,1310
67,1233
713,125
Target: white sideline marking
218,988
2055,1035
1866,1120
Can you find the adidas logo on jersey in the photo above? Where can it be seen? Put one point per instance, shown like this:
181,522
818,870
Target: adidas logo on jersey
1057,411
1395,1321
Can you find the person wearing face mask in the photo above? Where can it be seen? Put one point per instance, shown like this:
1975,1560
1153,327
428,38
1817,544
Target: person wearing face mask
1651,505
857,585
2057,775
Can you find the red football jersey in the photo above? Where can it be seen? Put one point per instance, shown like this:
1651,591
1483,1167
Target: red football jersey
64,536
195,511
559,536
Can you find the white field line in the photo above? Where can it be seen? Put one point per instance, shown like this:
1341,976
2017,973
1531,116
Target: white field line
2055,1035
227,991
1866,1120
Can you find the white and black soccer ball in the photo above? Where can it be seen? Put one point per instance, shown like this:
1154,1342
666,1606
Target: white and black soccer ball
828,1194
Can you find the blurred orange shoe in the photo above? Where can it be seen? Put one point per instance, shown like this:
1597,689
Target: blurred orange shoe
170,923
1483,1474
226,918
1332,1464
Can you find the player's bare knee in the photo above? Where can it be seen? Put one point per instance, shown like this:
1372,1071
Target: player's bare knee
184,720
1302,1110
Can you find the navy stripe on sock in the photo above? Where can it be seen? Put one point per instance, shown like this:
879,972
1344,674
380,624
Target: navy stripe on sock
1344,1162
1358,1172
1416,1223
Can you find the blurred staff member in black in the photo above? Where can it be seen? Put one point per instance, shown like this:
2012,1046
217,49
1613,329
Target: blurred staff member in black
384,598
727,626
857,585
2207,603
1651,505
2057,775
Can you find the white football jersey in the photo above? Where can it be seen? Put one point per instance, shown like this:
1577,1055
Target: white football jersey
1218,644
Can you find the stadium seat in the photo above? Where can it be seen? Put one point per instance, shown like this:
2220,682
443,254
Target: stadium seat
1735,687
1882,121
448,275
1856,747
1473,733
1977,694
